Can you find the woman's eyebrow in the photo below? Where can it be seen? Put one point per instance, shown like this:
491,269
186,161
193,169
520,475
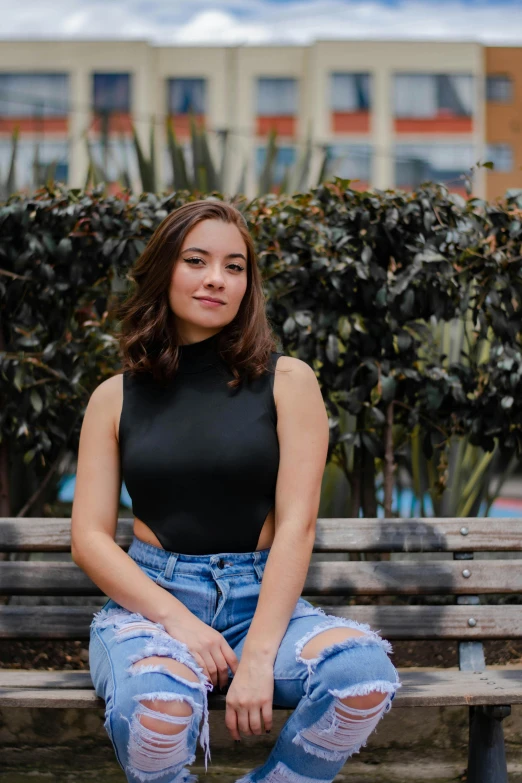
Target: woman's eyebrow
206,253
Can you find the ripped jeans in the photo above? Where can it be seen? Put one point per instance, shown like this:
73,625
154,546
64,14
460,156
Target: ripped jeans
222,590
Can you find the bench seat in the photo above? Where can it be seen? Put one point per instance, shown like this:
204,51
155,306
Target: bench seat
420,688
446,597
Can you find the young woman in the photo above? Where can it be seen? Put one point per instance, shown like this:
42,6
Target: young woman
223,458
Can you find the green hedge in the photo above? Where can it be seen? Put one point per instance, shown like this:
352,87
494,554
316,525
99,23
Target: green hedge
356,283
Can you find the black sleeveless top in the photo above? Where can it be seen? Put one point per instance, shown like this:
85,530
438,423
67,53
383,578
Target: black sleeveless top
199,459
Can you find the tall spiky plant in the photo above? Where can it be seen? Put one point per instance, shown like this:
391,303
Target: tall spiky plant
146,165
8,186
180,177
470,469
95,173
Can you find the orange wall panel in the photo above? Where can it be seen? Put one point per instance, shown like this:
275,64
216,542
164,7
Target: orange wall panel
504,120
359,185
181,123
37,125
440,124
284,125
119,122
350,121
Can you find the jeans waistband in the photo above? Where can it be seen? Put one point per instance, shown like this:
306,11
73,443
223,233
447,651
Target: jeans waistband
204,565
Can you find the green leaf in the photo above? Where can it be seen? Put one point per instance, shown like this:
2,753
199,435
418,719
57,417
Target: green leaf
389,387
36,401
289,326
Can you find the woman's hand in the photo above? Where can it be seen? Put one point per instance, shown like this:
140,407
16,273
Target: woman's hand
210,648
249,698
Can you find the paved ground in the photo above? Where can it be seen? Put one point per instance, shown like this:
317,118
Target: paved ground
60,765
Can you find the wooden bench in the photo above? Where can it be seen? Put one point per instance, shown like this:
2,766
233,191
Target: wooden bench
487,692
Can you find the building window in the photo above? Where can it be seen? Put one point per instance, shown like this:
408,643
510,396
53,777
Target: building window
285,158
501,155
499,89
349,92
49,152
276,97
34,94
111,92
185,95
433,95
350,161
446,163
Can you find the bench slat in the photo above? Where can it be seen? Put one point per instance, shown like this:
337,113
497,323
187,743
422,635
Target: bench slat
332,534
441,577
394,622
429,687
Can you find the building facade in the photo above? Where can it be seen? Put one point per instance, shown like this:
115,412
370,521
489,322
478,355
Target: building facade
504,118
385,114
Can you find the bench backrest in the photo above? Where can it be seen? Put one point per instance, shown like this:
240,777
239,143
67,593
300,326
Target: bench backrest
462,578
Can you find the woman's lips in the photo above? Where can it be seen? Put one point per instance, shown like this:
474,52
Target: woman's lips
210,303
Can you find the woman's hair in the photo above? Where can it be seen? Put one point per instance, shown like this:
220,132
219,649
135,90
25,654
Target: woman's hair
148,338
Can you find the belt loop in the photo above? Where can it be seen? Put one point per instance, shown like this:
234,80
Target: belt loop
255,558
171,562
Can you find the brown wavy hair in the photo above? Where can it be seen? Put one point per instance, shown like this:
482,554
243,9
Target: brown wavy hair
148,338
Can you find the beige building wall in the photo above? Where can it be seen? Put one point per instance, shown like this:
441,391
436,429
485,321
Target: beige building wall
382,59
80,59
231,74
217,65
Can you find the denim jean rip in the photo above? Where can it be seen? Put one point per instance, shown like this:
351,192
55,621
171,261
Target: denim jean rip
130,624
152,754
333,621
126,624
282,774
342,730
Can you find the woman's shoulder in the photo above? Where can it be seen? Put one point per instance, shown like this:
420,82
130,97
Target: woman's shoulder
290,363
291,375
110,387
108,396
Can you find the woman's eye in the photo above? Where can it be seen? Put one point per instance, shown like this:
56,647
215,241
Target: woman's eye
238,267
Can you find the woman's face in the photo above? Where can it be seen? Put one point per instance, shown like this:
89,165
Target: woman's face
218,269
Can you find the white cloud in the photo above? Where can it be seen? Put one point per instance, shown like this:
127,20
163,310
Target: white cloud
244,22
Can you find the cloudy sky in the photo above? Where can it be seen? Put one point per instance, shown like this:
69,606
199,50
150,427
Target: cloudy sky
245,22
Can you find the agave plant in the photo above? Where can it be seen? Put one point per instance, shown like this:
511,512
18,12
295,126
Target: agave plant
8,185
192,169
147,165
43,173
470,468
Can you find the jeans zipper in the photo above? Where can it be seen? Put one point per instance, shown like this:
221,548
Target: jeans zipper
219,594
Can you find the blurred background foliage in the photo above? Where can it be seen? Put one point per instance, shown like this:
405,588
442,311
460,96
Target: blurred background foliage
406,305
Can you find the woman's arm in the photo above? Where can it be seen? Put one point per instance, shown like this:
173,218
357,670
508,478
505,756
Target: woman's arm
95,513
303,433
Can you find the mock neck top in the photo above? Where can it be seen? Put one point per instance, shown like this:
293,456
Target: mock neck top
199,356
200,460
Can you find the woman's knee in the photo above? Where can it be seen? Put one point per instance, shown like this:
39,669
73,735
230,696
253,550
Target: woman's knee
156,716
352,664
160,707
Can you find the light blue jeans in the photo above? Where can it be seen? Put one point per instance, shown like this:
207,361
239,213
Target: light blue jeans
320,734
